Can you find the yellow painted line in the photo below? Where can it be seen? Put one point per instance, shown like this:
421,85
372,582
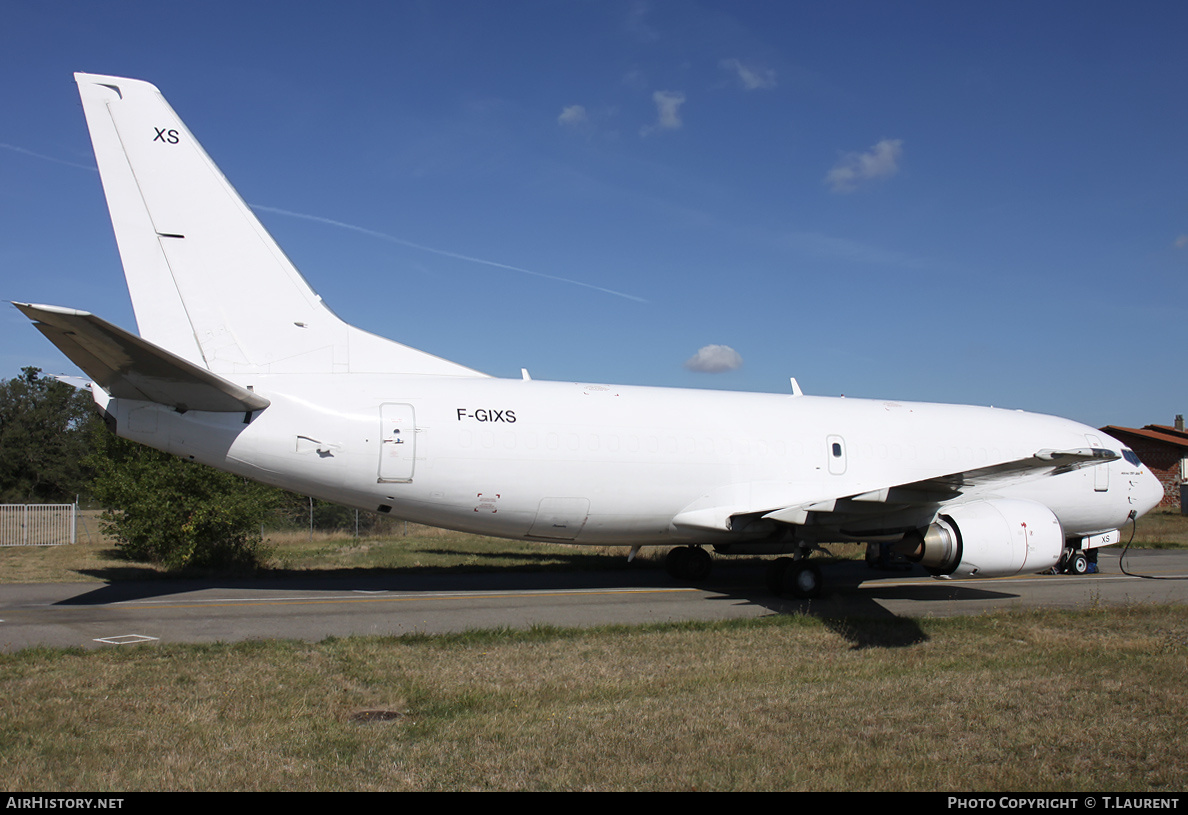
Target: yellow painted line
989,581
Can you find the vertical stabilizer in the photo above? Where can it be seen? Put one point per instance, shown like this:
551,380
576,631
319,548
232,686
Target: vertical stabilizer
207,281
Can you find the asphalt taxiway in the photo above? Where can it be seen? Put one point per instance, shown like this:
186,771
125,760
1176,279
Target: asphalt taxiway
311,608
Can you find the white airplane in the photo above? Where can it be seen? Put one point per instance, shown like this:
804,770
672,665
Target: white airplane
240,365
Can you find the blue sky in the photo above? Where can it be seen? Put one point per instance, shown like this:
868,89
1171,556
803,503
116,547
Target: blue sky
956,202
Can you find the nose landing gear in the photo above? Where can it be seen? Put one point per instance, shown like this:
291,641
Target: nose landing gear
1077,561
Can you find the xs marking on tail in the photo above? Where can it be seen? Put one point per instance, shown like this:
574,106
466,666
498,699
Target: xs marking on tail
163,135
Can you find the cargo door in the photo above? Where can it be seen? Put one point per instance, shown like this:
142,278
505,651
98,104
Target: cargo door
398,443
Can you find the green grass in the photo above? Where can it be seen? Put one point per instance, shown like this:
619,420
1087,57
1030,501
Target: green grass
1014,701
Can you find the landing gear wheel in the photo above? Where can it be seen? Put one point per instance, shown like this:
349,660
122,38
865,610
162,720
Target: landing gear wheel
1078,563
1061,566
674,563
698,563
688,563
803,580
775,574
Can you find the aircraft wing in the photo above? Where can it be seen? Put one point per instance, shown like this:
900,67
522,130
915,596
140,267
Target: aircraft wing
1042,463
943,488
928,492
129,367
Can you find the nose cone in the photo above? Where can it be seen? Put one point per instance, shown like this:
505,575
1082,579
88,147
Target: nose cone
1147,494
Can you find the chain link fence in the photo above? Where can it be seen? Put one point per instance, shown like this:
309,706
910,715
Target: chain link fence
310,516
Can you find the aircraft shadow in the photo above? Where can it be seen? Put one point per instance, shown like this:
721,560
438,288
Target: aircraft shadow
146,584
850,606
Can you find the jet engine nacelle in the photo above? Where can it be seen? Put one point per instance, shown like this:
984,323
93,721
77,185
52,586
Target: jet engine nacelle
992,538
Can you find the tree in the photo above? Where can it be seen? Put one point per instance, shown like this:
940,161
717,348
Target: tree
44,438
162,509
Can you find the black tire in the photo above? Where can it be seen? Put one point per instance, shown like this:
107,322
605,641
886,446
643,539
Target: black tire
775,574
803,580
674,562
1078,563
688,563
1061,566
698,563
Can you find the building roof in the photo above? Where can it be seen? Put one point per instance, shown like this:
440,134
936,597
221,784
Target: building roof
1183,434
1154,432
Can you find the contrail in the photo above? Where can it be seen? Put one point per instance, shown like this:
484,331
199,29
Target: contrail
373,233
443,252
16,149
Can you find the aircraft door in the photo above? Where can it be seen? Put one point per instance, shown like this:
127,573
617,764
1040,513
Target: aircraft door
398,443
1101,472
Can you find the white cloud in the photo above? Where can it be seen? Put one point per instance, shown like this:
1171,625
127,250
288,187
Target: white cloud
1182,241
637,24
635,80
750,77
668,111
881,161
572,115
714,359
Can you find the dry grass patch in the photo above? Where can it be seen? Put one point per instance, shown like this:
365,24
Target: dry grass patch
423,548
1164,529
405,547
1028,701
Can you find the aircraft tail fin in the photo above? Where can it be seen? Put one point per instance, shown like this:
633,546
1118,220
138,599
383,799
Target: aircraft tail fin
208,283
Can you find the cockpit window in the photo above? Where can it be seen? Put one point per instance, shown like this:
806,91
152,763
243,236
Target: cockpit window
1131,457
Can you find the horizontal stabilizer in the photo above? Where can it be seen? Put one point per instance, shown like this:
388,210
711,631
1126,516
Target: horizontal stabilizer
129,367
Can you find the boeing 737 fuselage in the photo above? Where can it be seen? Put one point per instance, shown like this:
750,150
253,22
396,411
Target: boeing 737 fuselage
239,365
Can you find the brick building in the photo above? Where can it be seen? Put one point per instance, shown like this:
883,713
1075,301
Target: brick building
1164,449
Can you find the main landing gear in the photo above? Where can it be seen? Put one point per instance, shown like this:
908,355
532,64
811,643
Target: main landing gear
688,563
787,577
799,578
